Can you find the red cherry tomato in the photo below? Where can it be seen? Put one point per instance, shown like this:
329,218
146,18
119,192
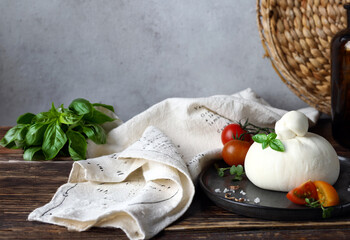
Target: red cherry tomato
305,190
234,131
234,152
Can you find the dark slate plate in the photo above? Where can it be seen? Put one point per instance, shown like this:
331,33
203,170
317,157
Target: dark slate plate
273,205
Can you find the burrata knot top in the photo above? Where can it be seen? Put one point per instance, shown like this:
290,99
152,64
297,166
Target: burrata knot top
292,124
307,156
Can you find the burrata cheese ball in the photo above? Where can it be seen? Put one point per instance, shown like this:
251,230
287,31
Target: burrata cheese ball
307,156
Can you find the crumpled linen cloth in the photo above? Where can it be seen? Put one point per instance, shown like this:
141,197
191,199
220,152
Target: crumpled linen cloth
143,178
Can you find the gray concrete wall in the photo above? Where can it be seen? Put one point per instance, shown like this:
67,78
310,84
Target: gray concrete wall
130,53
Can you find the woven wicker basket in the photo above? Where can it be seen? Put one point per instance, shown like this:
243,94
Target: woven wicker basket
296,35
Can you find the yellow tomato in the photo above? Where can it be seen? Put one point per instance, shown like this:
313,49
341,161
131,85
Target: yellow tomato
327,194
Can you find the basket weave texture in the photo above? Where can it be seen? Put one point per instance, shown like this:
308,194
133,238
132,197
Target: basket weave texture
296,35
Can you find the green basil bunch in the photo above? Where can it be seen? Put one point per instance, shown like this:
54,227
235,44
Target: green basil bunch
269,140
60,131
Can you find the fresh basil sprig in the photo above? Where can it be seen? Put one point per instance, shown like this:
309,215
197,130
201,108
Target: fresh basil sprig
312,203
237,171
269,140
59,131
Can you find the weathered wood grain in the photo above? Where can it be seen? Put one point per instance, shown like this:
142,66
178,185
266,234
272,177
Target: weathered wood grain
28,185
25,186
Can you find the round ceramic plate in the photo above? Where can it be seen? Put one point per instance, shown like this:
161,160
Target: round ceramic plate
267,204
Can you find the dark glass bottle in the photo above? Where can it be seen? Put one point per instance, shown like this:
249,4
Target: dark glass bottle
340,75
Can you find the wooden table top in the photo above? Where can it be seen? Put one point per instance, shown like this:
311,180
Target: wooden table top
25,186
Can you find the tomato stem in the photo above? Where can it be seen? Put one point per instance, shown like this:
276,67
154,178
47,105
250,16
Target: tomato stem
312,203
253,129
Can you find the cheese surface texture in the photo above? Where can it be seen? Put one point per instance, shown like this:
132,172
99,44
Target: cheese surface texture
307,156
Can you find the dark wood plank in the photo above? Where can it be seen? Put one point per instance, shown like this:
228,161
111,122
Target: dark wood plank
258,234
28,185
32,177
97,233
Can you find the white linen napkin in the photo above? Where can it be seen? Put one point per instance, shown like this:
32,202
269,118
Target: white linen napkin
143,178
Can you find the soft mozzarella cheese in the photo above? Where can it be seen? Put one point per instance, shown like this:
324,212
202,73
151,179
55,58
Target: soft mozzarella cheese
307,156
292,124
